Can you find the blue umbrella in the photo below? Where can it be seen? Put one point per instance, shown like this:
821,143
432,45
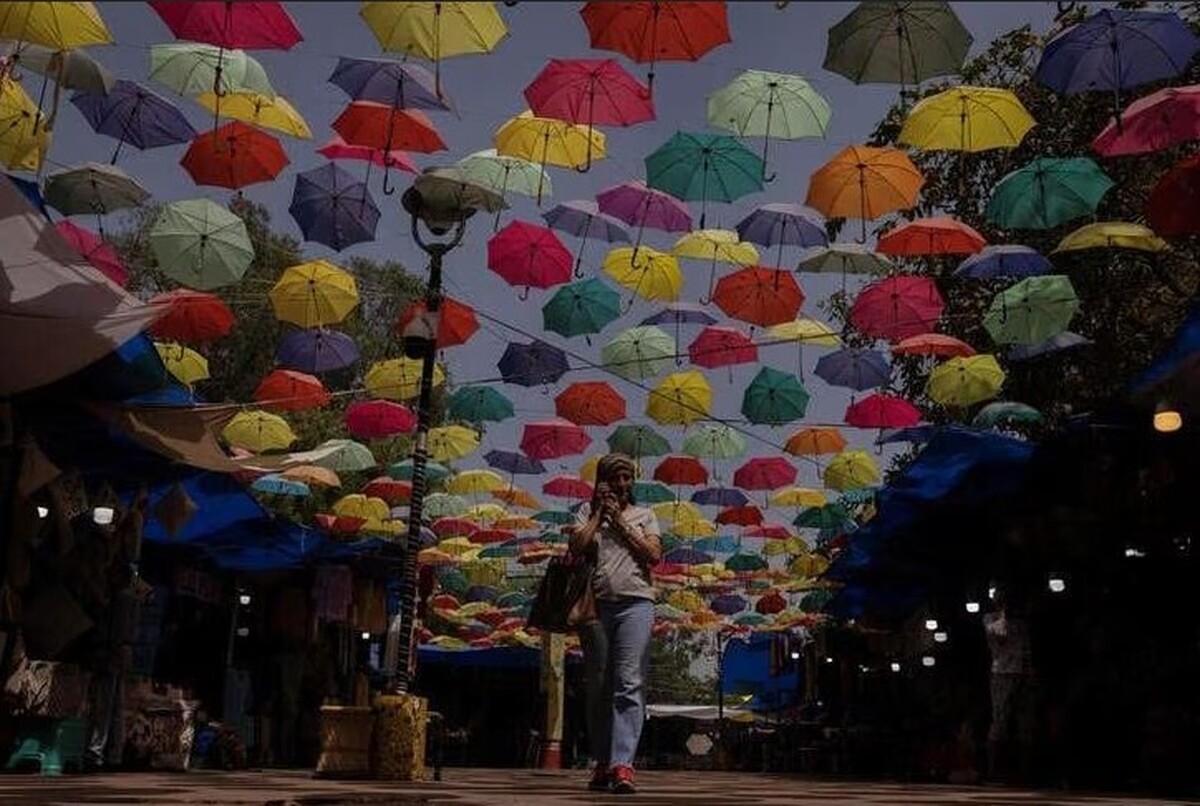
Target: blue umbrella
1062,341
583,219
721,544
1008,260
134,114
727,604
317,350
31,191
780,224
678,314
398,84
720,497
854,368
685,555
532,364
514,462
482,593
274,484
332,207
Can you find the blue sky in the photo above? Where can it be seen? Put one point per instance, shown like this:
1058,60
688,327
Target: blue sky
487,91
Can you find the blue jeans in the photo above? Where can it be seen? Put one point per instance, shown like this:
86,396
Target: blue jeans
616,654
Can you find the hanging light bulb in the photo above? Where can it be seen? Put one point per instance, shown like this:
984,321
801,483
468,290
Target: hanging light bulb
972,607
928,660
1167,418
103,516
1056,583
941,636
43,512
895,667
931,624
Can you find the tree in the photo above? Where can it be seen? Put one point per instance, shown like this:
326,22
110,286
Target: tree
672,657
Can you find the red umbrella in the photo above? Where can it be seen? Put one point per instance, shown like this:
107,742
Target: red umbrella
456,321
375,419
747,515
192,316
770,603
492,536
933,344
897,307
454,527
339,149
339,524
568,487
590,403
931,236
529,255
250,25
234,156
552,439
681,470
656,31
95,250
387,128
1173,207
760,296
718,346
394,491
765,473
771,531
288,390
882,411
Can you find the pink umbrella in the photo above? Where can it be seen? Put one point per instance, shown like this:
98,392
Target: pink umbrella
882,411
1158,121
454,527
374,419
765,473
721,347
551,439
568,487
645,208
252,26
897,307
95,250
771,531
339,149
529,255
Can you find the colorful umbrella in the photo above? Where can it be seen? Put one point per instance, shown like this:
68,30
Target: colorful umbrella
647,492
1154,122
514,462
378,419
500,173
313,294
456,321
532,364
93,188
317,350
782,225
703,167
134,114
1171,206
931,236
529,255
258,431
645,208
1032,311
897,307
901,43
740,516
581,308
963,382
399,84
434,472
191,316
71,69
24,138
273,484
880,410
60,26
1111,235
774,397
639,352
714,441
715,246
656,31
638,441
259,25
339,149
1047,192
366,123
553,439
200,245
1007,413
967,119
477,404
933,344
765,473
846,258
393,492
865,183
856,368
449,442
288,390
186,365
582,218
720,497
720,347
546,141
590,403
234,156
333,208
191,68
851,470
680,470
815,442
98,252
1006,260
474,482
832,516
649,273
679,399
797,497
398,378
265,111
760,296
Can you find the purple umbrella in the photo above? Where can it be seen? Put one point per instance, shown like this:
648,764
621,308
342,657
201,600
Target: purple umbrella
333,207
532,364
1007,260
1063,341
134,114
854,368
685,555
580,218
727,604
398,84
783,224
644,207
316,350
720,497
680,313
514,462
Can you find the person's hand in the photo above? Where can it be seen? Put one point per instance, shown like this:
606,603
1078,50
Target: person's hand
610,509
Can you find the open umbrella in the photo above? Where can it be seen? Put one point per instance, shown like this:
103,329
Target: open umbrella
553,439
272,112
897,307
1032,311
721,347
71,69
529,255
638,441
339,149
865,183
234,156
881,410
645,208
288,390
374,125
134,114
1154,122
546,141
317,350
638,352
581,308
193,68
60,26
185,364
456,321
1171,207
940,235
680,398
96,251
1005,260
590,403
933,344
704,166
1111,235
715,246
200,244
963,382
851,470
449,442
399,84
583,219
398,378
24,138
856,368
714,441
680,470
1047,192
760,296
845,258
765,473
774,398
780,225
532,364
93,188
815,442
334,208
314,294
192,316
967,119
258,431
259,25
501,173
514,462
1006,413
478,404
378,419
649,273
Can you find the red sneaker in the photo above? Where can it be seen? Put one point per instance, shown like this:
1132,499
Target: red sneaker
622,780
600,778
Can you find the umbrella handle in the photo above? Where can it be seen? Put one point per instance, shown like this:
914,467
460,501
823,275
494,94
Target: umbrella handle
388,190
524,295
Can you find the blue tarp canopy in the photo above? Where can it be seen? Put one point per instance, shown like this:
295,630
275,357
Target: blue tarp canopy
1178,368
746,669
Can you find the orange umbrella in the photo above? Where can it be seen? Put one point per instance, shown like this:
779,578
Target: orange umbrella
865,183
759,296
933,344
233,156
191,316
456,321
288,390
815,441
931,236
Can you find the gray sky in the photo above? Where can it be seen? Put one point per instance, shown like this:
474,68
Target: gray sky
487,91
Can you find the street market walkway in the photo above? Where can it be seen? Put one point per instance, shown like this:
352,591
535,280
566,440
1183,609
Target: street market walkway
475,787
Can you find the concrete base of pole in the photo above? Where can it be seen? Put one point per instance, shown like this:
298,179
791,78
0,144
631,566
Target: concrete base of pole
398,752
550,757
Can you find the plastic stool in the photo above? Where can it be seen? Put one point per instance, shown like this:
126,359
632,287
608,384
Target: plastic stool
53,744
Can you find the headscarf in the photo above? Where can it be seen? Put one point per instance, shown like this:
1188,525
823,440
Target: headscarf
613,463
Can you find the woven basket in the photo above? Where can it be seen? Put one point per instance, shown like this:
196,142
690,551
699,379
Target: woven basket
345,741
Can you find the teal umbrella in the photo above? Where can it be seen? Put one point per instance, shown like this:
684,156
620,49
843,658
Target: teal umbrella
639,352
434,472
638,441
652,492
751,620
193,69
1047,192
830,516
774,397
714,441
745,562
477,404
200,244
554,517
703,167
451,579
581,308
1032,311
1004,412
758,103
815,601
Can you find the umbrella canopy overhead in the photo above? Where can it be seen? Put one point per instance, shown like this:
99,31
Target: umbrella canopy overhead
259,25
1048,192
680,398
962,382
59,26
317,350
1033,310
902,43
314,294
134,114
1112,235
592,92
400,84
1154,122
967,119
333,207
192,68
897,307
704,167
200,245
581,308
865,183
774,398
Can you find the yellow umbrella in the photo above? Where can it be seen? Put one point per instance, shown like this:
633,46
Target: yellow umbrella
967,119
807,332
261,110
449,442
456,546
677,511
1110,235
386,528
313,475
187,365
486,512
715,246
587,471
357,505
516,497
965,380
808,565
686,600
651,274
23,137
547,141
680,398
435,558
58,26
797,497
699,527
258,431
398,378
474,482
851,470
313,294
485,571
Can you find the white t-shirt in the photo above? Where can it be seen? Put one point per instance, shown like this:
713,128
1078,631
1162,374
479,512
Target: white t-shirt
618,573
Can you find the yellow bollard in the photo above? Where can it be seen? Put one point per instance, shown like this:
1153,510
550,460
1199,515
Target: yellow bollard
398,752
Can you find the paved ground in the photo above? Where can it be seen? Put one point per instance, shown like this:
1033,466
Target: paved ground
470,787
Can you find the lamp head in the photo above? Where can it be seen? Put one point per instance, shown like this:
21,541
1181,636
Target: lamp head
444,198
1167,418
437,215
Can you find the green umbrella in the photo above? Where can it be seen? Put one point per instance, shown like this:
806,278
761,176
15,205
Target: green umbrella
499,550
554,517
669,541
704,167
846,258
434,472
745,562
501,173
93,188
70,69
452,580
1032,311
652,492
1006,413
638,441
762,104
200,244
830,516
581,308
639,352
190,68
443,505
774,397
477,404
553,538
901,42
346,456
1047,192
666,612
751,620
714,441
815,602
